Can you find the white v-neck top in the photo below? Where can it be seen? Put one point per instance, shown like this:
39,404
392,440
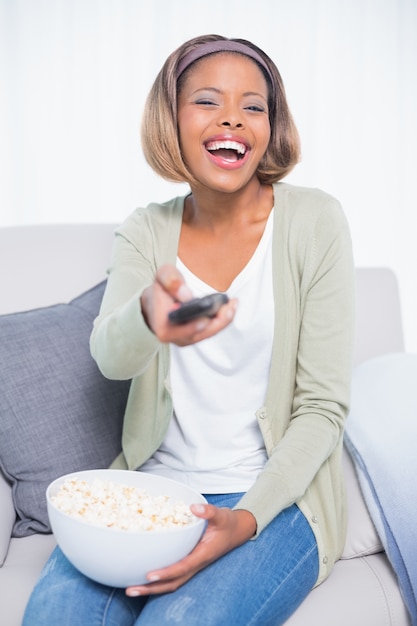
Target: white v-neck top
213,441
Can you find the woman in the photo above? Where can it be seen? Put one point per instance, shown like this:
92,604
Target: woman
248,406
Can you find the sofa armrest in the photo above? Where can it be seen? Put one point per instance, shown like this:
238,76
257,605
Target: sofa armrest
7,517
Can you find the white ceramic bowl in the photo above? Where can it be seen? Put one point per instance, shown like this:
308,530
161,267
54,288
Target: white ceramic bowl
120,558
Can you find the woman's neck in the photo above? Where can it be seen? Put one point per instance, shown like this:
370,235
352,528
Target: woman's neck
220,233
211,210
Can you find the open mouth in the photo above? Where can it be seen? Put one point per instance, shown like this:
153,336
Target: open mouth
228,150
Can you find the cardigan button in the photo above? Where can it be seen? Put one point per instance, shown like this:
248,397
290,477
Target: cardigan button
325,560
262,414
314,519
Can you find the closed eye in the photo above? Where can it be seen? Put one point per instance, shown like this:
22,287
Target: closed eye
256,108
206,102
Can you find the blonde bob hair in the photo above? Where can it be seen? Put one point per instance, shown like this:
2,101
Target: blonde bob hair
159,132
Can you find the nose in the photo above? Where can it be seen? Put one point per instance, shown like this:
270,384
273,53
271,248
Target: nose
231,123
230,116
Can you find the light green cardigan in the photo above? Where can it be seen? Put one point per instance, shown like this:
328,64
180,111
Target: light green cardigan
302,419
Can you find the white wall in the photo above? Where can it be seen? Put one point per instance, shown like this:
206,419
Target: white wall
74,75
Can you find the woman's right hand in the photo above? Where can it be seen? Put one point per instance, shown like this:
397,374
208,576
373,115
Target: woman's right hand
161,297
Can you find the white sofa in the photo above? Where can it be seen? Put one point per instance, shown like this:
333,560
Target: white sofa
44,265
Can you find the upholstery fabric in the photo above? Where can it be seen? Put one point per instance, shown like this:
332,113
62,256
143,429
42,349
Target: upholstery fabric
58,413
362,538
7,518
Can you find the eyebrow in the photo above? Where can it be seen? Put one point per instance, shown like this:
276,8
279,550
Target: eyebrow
220,92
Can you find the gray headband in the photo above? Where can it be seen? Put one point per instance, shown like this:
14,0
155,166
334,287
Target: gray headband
221,45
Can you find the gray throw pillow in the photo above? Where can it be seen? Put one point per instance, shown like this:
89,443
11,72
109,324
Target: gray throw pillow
58,414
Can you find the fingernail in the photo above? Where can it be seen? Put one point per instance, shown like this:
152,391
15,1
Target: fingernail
184,293
133,593
198,508
201,325
153,578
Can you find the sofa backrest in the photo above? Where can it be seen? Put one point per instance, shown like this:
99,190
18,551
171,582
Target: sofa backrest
45,264
379,328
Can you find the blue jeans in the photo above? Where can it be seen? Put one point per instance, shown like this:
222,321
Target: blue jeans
260,583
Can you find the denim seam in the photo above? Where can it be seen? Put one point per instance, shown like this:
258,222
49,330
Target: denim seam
106,608
269,599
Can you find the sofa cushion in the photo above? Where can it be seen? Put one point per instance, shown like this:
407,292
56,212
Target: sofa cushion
58,414
361,538
7,517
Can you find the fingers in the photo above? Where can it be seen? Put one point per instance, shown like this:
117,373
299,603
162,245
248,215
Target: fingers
169,579
161,297
172,577
202,328
225,530
173,282
204,511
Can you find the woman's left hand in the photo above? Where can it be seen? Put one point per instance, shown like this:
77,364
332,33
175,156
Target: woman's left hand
226,529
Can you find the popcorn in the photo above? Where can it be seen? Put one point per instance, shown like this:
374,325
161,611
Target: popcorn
114,505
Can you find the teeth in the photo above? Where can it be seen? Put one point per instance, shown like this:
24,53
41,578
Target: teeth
226,145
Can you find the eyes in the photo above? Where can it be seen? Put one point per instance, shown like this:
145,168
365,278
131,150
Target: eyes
209,103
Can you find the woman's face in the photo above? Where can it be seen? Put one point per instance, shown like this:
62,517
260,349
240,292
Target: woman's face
223,121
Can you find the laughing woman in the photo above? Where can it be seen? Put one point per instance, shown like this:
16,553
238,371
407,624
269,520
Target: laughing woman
247,407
